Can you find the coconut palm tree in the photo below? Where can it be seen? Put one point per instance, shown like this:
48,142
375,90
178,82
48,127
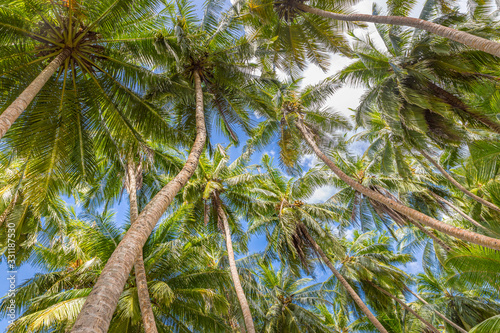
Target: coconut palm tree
69,56
287,301
465,306
183,292
294,227
339,11
208,62
221,191
302,123
370,264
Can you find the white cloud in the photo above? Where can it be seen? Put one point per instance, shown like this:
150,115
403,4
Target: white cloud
322,194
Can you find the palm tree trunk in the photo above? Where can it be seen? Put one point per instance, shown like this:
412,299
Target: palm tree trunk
247,314
13,111
460,212
465,38
457,184
148,317
404,305
98,309
462,234
344,283
431,235
460,329
9,208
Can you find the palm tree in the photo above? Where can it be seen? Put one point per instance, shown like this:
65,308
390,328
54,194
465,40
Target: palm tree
293,226
183,292
69,56
466,307
208,57
300,121
286,301
289,10
220,192
370,263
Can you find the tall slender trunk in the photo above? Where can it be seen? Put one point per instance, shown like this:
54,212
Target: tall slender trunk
344,283
13,111
465,38
404,305
462,234
460,329
247,314
98,309
457,184
431,235
148,317
9,209
461,212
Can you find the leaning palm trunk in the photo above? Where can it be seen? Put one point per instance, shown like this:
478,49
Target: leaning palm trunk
345,284
148,318
98,309
404,305
465,38
462,234
460,212
457,184
460,329
13,111
247,314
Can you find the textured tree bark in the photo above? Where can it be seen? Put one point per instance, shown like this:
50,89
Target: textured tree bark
460,329
96,313
148,317
9,208
345,284
13,111
465,38
404,305
460,212
457,184
462,234
247,314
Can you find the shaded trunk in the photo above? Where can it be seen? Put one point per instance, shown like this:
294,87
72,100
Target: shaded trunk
345,284
457,184
148,318
247,314
404,305
460,329
9,208
462,234
465,38
456,102
460,212
96,313
13,111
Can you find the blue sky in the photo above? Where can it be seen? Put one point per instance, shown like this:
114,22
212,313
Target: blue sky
344,100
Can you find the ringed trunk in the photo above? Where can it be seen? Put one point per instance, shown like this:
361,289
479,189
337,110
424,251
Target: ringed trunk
345,284
247,314
457,184
475,42
97,311
13,111
462,234
148,317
